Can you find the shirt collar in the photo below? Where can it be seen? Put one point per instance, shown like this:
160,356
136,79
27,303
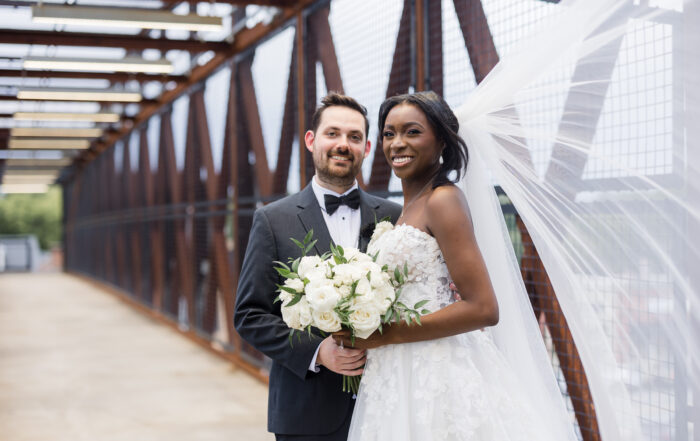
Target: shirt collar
319,191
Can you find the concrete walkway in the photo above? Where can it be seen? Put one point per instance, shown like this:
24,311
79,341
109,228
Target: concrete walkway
78,364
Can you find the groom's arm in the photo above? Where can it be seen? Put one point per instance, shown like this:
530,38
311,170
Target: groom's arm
257,319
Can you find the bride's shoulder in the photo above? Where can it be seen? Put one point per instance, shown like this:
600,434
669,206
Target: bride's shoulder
447,208
444,197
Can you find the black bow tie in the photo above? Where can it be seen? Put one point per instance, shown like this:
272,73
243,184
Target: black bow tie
351,199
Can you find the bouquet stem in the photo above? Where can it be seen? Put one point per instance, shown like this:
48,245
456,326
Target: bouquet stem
351,384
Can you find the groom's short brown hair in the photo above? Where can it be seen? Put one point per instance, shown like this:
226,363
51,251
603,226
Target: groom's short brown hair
338,99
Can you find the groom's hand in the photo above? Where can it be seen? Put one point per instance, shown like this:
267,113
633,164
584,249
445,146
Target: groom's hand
344,361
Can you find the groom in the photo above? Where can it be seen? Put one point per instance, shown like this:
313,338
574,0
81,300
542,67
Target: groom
306,401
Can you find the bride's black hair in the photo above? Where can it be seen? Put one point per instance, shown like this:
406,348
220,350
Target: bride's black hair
445,125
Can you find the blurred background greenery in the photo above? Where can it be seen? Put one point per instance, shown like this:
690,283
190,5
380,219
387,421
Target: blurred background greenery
37,214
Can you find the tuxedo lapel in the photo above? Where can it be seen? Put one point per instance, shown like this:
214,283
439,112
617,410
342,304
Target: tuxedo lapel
368,216
311,218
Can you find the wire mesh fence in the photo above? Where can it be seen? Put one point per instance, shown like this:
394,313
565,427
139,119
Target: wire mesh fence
165,216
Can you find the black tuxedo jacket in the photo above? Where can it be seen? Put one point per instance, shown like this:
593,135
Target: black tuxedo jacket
300,402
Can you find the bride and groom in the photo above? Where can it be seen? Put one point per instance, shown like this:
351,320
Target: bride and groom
444,379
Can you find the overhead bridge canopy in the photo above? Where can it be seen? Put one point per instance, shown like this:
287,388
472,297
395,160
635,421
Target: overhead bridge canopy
62,64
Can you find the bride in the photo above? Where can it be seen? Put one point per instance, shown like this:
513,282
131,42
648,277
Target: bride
444,379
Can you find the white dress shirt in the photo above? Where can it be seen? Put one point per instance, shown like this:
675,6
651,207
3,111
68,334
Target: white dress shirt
343,226
344,223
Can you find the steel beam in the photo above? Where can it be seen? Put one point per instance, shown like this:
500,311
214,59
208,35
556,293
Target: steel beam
52,38
284,153
119,77
477,37
275,3
433,41
124,276
227,180
325,49
420,43
134,200
545,303
304,155
185,284
399,82
216,267
251,114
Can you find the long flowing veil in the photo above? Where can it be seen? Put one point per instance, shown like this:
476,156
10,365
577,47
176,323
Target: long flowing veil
613,209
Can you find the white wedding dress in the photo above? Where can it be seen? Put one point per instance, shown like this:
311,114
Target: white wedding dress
453,388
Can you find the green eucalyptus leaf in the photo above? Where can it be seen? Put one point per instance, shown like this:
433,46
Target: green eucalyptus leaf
310,246
283,265
387,315
308,236
419,304
283,272
295,300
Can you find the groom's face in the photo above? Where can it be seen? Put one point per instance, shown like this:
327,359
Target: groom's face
339,145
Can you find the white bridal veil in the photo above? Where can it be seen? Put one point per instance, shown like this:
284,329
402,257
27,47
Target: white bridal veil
607,92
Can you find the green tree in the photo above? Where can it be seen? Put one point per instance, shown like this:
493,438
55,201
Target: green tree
38,214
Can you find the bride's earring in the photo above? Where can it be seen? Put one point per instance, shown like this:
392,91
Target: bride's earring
441,160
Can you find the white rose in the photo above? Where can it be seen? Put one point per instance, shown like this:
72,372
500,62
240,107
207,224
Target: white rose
383,297
346,274
366,266
344,290
351,253
365,320
286,297
297,316
342,275
356,256
363,287
295,284
327,321
322,297
321,272
306,264
380,229
379,278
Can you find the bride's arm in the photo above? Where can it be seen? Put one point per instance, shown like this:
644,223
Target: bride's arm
448,220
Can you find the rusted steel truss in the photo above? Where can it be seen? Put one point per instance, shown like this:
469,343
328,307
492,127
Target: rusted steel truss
173,237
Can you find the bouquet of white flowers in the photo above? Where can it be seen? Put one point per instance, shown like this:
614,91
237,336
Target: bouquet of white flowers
342,289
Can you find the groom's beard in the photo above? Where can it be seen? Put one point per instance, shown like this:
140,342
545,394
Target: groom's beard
335,174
